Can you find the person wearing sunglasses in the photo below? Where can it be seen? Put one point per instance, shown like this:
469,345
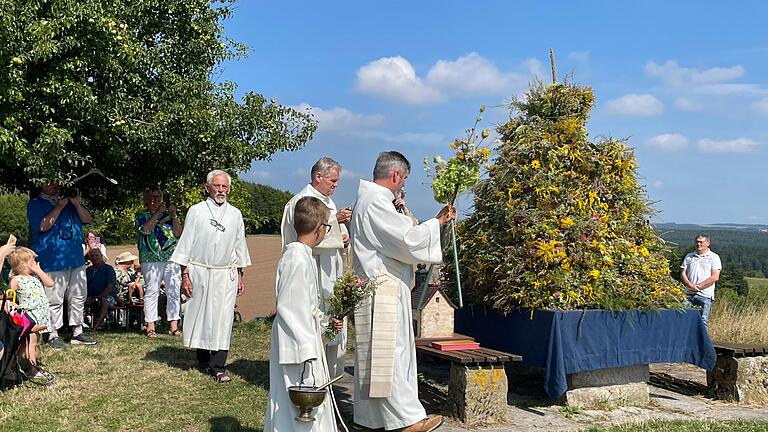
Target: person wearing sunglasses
212,253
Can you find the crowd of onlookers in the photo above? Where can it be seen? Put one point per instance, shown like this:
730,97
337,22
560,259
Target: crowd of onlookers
62,274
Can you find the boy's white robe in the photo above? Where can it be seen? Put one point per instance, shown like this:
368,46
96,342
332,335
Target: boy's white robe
330,267
212,257
297,337
386,244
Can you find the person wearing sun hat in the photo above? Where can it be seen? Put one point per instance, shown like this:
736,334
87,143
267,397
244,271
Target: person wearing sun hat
128,279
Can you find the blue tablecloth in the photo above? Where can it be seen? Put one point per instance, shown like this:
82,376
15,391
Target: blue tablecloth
568,342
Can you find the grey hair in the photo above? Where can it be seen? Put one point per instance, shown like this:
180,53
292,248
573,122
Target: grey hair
216,173
390,161
323,166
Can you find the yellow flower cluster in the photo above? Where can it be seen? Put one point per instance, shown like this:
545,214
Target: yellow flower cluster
561,222
452,177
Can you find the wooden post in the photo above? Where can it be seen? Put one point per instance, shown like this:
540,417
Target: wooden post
552,63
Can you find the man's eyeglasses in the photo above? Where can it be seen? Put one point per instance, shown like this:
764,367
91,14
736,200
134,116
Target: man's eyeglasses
327,227
218,226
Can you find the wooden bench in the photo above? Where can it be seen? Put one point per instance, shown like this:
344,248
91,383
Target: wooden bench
477,390
740,350
740,373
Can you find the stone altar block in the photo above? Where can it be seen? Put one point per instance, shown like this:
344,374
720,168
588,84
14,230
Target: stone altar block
478,394
743,380
621,386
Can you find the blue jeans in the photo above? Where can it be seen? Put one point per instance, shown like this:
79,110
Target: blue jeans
705,303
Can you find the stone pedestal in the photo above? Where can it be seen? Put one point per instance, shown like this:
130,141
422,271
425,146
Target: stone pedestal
478,395
743,380
606,388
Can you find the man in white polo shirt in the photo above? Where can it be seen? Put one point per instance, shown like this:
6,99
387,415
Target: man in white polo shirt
701,269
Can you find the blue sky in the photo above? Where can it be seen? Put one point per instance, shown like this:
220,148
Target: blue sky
684,81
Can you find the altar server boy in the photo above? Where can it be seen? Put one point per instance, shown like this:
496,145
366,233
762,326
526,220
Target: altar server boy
297,345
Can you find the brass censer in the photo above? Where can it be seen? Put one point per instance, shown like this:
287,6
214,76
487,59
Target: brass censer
306,397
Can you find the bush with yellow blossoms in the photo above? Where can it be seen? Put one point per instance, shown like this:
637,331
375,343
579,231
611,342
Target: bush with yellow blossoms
561,222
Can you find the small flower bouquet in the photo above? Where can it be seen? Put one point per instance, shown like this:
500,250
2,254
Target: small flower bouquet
462,171
348,291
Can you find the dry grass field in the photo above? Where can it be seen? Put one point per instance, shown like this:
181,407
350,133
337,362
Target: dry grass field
743,320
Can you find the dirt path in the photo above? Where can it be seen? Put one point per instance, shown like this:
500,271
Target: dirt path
529,410
259,297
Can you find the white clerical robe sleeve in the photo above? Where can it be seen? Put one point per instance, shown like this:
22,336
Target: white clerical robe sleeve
183,252
399,239
287,232
243,258
297,328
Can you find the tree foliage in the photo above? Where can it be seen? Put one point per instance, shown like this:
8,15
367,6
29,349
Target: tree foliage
268,203
561,222
127,87
13,215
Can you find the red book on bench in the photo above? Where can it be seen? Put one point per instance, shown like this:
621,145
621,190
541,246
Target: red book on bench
455,345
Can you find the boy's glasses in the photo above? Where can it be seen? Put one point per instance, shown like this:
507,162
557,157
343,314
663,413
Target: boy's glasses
327,227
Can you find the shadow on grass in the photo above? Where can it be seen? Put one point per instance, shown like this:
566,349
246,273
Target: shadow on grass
176,357
229,424
255,372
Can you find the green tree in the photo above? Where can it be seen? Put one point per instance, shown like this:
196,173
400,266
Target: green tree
13,215
268,203
126,86
732,278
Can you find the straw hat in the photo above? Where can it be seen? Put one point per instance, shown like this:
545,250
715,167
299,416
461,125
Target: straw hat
125,257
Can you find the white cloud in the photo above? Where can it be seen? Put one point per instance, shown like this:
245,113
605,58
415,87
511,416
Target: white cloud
475,74
341,118
658,184
579,56
687,104
726,89
258,175
394,78
300,172
761,105
412,138
668,142
640,105
739,145
349,175
673,74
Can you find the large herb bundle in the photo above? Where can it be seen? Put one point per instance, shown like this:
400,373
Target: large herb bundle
561,222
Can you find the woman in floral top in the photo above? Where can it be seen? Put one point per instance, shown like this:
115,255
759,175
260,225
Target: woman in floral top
159,227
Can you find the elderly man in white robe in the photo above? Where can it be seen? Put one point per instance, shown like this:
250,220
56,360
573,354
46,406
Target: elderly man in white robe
385,245
212,254
324,176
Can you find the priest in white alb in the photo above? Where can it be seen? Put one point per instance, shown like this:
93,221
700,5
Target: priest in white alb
324,177
212,253
386,245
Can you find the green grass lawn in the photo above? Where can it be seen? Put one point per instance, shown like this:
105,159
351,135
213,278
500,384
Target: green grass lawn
758,289
130,382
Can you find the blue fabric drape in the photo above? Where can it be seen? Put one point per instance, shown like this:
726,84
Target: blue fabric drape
568,342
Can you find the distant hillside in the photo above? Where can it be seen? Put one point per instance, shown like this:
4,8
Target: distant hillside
737,244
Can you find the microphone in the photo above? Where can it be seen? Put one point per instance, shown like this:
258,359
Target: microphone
400,208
